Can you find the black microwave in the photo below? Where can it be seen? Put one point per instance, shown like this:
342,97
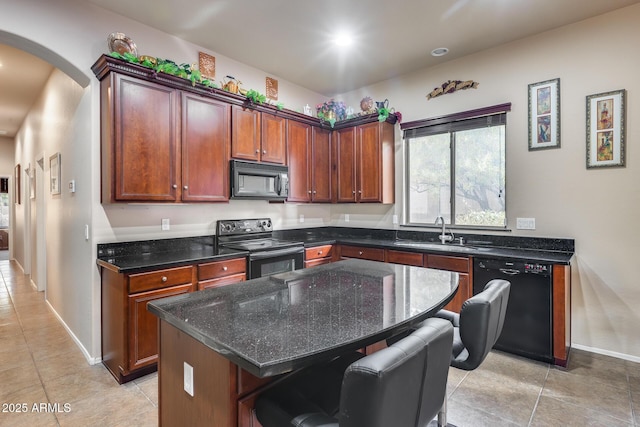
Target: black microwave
259,181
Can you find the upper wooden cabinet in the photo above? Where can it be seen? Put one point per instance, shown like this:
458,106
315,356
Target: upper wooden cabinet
162,145
205,149
299,147
364,157
140,158
257,136
321,167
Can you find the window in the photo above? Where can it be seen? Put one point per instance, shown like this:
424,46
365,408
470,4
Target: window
456,169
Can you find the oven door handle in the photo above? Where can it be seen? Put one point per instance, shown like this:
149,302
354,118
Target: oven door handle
276,253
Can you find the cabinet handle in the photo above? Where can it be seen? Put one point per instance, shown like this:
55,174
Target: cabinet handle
225,268
175,186
164,279
186,187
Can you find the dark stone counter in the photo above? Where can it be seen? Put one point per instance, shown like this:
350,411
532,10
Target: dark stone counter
279,323
131,257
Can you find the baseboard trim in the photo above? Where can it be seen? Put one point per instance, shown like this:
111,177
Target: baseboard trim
85,353
615,354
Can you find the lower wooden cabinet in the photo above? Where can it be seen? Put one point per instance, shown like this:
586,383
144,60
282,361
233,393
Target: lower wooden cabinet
318,255
220,273
405,258
361,252
462,265
129,331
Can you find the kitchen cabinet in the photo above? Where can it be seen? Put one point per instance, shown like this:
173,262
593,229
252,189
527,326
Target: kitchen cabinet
140,154
299,145
309,160
361,252
318,255
404,258
176,151
206,137
257,136
461,265
129,331
220,273
364,158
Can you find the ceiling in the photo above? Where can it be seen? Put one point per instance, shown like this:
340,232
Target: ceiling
292,39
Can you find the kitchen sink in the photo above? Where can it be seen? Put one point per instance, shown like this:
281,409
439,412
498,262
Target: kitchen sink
448,247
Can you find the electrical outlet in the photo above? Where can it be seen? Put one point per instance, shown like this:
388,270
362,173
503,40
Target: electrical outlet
166,225
301,218
526,223
395,219
346,217
188,379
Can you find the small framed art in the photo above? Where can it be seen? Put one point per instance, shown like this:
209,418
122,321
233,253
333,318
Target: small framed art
544,115
606,129
54,169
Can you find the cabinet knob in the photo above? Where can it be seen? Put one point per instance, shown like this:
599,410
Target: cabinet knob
354,191
175,186
257,151
360,192
360,252
309,191
186,187
319,252
164,279
225,268
264,151
314,192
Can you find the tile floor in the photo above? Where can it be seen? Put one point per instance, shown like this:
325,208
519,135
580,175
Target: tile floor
40,364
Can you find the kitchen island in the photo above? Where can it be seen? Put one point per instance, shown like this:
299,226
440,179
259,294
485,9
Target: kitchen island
240,337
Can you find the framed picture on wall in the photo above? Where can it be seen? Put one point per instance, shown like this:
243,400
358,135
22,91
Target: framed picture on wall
54,169
606,129
16,184
544,115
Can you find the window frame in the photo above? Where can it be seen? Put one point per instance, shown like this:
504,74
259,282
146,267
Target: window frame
442,123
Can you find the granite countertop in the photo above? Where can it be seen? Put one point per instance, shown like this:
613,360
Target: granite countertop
131,257
280,323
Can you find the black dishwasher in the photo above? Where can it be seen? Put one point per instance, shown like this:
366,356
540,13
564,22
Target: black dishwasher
528,326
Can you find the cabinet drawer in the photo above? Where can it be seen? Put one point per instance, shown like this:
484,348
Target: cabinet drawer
217,269
160,279
316,262
318,252
221,281
450,263
373,254
406,258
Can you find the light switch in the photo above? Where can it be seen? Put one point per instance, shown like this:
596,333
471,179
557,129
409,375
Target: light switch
166,225
526,223
188,379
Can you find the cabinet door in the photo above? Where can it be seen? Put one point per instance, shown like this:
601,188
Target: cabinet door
206,138
369,161
298,141
345,155
143,326
145,153
273,139
464,293
245,133
320,163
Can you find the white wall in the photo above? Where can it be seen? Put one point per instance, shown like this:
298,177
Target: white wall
598,208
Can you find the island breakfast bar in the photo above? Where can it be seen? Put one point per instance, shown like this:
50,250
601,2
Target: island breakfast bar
219,347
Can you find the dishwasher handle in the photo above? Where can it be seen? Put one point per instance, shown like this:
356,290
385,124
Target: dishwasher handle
509,271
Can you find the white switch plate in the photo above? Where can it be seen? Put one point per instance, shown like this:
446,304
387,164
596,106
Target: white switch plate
346,217
188,379
166,225
72,186
301,218
526,223
395,219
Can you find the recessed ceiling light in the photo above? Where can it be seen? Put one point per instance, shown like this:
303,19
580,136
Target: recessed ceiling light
343,39
441,51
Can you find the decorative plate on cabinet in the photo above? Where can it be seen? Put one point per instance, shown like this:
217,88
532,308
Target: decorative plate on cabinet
119,42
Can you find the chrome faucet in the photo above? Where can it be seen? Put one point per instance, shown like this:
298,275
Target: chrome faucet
444,237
